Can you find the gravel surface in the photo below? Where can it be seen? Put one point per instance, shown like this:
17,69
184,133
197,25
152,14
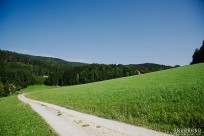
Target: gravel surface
72,123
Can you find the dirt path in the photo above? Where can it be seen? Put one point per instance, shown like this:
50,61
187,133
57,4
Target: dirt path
71,123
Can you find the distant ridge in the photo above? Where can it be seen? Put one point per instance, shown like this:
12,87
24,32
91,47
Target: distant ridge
18,71
33,60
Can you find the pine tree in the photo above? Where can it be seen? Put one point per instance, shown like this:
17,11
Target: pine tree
198,55
77,78
6,89
1,89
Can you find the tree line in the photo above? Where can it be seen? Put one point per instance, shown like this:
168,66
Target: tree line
100,72
18,71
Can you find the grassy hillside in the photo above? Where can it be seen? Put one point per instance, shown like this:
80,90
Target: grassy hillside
17,118
162,100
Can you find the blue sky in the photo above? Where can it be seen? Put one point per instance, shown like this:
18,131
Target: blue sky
104,31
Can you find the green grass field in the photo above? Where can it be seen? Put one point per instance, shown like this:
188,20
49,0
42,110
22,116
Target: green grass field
162,100
18,119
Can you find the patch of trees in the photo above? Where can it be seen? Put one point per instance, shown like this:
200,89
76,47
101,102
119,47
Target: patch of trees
18,71
198,55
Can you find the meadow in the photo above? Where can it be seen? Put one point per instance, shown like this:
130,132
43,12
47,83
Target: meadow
164,100
17,118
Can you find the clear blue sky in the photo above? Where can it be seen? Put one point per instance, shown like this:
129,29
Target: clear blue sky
104,31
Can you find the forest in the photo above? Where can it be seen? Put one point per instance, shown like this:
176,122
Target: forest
17,71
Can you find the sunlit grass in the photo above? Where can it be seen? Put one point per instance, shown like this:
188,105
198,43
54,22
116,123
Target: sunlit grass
162,100
18,119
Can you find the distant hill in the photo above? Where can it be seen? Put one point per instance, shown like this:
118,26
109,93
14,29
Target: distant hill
17,71
149,67
21,70
35,60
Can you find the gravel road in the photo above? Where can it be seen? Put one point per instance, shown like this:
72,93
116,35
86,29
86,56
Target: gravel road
72,123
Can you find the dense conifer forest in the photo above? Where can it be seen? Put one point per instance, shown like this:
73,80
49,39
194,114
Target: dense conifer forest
18,71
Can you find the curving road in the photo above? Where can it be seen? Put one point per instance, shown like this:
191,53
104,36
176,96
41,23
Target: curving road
72,123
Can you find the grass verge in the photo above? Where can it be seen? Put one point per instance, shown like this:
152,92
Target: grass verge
17,118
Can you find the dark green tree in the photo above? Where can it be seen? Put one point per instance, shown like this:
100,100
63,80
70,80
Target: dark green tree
198,55
1,89
6,89
77,78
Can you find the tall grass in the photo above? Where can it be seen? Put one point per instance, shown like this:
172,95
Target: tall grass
162,100
18,119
